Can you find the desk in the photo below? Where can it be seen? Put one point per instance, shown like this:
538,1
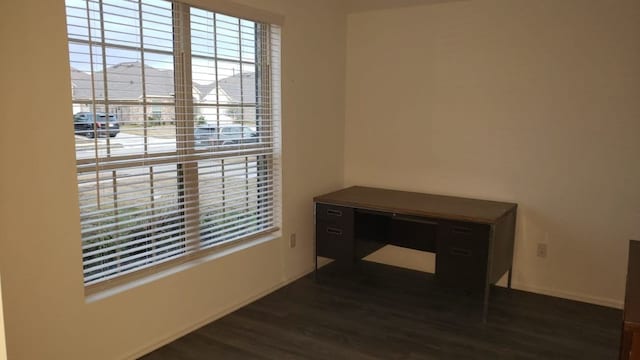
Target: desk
472,239
630,347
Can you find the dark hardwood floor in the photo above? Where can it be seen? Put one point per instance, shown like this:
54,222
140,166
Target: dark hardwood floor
383,312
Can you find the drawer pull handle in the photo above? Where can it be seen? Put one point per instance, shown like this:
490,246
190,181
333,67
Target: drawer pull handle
334,231
332,212
461,230
460,252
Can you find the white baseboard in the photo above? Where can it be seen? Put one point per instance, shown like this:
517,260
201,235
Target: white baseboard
571,296
161,342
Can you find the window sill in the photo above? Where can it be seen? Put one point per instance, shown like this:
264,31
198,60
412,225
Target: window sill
114,287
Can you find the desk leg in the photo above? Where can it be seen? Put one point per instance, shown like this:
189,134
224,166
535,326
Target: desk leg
485,306
315,269
509,278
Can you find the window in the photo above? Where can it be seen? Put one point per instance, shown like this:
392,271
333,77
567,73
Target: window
153,82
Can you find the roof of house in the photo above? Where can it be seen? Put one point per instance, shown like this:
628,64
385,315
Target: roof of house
124,83
240,88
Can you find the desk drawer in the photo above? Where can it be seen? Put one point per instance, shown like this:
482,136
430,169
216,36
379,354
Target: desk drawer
339,215
462,254
334,241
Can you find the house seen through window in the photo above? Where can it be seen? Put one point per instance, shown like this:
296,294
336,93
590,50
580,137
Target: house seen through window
176,124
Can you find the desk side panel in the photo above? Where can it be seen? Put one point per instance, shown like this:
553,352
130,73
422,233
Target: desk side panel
502,247
334,232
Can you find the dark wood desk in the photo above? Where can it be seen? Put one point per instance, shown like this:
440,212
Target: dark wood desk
630,347
472,239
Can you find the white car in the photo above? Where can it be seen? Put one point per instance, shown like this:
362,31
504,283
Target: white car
212,135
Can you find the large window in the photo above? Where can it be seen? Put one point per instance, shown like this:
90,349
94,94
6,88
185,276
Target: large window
176,126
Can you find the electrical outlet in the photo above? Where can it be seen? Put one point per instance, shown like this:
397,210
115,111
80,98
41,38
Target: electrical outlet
541,252
292,240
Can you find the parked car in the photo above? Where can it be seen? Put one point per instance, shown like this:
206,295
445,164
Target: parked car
103,125
212,135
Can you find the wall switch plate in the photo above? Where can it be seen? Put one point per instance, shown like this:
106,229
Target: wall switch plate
292,240
541,251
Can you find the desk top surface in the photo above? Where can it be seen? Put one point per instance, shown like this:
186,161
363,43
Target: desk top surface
632,296
419,204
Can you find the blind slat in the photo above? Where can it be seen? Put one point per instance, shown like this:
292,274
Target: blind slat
136,210
124,257
160,239
167,223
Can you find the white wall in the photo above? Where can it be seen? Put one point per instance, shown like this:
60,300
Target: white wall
535,102
46,315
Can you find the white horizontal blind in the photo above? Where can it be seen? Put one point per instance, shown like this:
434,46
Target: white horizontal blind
176,123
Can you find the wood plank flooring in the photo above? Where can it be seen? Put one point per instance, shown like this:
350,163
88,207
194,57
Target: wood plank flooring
381,312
